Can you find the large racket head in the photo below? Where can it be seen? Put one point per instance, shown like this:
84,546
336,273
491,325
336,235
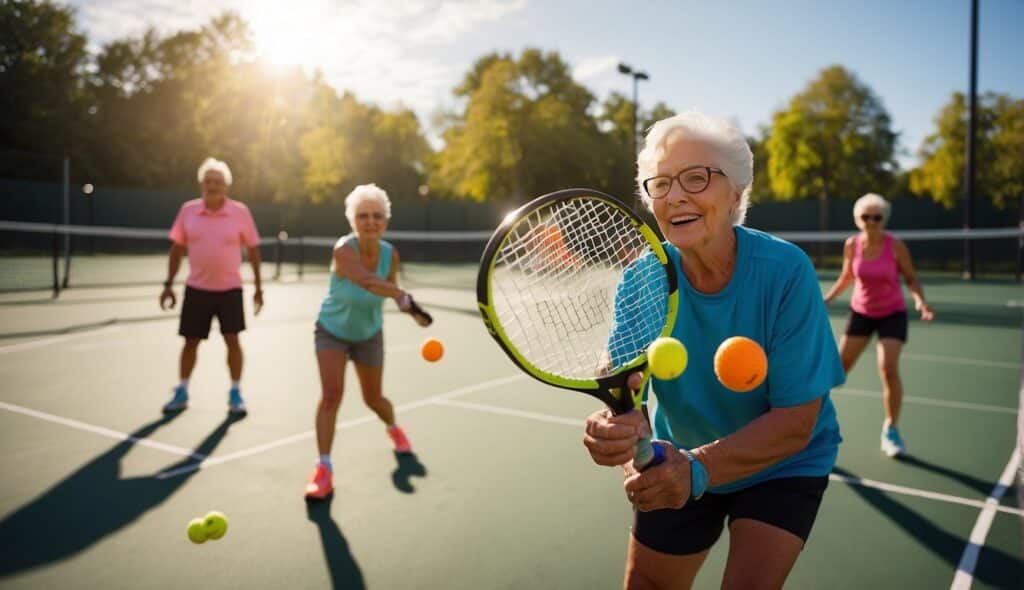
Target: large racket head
574,287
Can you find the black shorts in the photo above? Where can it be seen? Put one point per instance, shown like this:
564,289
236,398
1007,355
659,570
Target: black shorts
201,306
893,325
789,503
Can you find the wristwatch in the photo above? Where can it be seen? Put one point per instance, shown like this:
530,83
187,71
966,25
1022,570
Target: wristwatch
698,476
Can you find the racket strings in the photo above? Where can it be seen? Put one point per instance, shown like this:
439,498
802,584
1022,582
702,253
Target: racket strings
577,290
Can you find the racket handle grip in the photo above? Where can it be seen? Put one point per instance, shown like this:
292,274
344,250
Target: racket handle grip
648,455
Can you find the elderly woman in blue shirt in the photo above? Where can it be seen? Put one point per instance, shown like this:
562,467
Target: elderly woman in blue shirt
756,461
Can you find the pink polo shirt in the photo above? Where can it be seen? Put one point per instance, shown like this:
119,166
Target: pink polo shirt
214,240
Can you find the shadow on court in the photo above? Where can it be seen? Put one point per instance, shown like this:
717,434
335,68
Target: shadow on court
90,504
344,570
995,568
49,300
409,466
75,328
979,485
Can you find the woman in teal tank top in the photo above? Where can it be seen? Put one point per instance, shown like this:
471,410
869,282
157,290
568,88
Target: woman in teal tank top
364,271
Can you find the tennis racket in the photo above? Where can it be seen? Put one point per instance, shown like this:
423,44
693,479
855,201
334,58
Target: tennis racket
419,314
574,287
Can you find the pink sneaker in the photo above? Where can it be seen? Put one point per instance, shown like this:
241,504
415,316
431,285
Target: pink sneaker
320,485
401,441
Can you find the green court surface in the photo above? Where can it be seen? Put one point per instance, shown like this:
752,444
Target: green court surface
99,486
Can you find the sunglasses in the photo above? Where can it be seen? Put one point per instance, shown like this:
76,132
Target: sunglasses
375,215
867,217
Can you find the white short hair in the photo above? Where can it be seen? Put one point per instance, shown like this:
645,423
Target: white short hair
737,159
871,200
214,164
363,193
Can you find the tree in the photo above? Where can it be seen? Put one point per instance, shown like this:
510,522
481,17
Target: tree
999,150
525,130
352,143
762,188
42,93
834,138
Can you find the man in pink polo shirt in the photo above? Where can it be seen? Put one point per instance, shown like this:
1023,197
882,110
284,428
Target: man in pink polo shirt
213,230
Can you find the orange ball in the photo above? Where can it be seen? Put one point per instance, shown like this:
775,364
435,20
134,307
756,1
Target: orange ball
432,350
740,364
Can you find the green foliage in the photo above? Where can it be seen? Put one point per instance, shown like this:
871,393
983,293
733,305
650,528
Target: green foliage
145,110
526,130
834,138
42,61
999,152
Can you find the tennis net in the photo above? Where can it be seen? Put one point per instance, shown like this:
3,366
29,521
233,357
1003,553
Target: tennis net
42,256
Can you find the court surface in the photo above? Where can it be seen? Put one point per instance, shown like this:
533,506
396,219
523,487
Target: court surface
99,485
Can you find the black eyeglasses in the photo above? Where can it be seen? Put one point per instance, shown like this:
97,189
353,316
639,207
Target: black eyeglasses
693,180
866,217
375,215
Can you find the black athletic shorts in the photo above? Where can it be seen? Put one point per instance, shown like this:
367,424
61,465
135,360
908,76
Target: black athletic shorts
789,503
201,306
893,325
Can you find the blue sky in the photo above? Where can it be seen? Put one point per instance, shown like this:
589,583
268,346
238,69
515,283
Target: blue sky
738,59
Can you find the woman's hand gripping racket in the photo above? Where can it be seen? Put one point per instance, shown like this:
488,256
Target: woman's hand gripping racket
407,304
574,287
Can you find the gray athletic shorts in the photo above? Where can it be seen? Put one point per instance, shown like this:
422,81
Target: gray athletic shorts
369,352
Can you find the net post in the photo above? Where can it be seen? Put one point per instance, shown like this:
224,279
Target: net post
278,246
66,191
302,255
55,257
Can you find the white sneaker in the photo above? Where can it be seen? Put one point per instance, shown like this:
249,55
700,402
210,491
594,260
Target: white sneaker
892,444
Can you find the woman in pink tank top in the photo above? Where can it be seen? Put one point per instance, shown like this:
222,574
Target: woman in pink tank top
874,260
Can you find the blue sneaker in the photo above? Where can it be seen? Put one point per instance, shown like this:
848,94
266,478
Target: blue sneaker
179,402
235,403
892,444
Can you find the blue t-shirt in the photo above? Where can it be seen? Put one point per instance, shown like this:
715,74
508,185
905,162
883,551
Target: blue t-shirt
773,298
348,311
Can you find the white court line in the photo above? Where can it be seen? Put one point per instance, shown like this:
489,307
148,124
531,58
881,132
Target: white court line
341,425
919,493
511,412
54,339
867,483
924,401
955,360
145,442
965,571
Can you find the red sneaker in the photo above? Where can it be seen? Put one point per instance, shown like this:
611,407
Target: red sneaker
320,485
401,441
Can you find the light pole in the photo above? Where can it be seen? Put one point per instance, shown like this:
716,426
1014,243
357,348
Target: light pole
637,75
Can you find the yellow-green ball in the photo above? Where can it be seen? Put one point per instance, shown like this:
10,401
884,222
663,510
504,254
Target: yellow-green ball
215,524
196,531
666,358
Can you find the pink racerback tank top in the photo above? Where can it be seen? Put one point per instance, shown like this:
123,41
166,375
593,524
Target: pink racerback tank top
876,292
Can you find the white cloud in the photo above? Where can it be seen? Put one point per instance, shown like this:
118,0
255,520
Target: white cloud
594,67
382,50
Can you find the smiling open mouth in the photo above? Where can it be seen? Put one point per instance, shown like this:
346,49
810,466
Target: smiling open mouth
684,219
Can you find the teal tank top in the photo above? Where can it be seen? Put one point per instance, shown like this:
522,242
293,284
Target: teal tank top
348,311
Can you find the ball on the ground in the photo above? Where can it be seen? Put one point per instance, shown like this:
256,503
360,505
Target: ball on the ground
740,364
432,350
667,358
196,531
215,524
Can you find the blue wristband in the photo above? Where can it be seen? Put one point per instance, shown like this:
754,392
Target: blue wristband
698,476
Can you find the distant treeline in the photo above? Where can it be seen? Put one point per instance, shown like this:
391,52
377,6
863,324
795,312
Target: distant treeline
144,111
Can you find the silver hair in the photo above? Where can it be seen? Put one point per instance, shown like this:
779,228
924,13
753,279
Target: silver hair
871,200
214,164
736,158
363,193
